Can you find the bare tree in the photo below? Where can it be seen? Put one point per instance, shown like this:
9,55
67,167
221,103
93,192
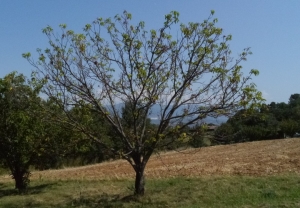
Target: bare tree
189,77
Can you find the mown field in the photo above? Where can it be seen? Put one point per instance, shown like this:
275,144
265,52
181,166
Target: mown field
256,174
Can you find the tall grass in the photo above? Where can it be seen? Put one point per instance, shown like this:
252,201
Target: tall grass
227,191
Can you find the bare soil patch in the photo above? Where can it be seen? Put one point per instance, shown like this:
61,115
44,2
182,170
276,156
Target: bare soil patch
260,158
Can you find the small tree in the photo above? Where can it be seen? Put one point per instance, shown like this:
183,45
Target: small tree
188,77
20,127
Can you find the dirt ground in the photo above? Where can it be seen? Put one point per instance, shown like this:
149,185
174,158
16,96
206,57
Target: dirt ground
253,159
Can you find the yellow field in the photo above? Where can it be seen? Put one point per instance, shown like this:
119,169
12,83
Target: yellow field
253,158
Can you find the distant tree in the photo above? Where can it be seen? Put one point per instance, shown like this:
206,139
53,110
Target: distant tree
294,100
82,147
189,76
288,114
66,145
58,139
281,110
294,104
289,127
20,127
260,125
225,134
197,135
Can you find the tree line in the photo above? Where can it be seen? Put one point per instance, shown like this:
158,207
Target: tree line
270,121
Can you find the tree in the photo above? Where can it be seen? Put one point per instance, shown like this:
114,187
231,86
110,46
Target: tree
57,141
20,127
188,77
241,127
294,100
83,148
225,133
64,144
289,127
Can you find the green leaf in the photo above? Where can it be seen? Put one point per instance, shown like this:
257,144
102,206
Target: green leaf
255,72
26,55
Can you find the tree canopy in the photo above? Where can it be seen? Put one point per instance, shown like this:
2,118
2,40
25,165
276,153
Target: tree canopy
21,127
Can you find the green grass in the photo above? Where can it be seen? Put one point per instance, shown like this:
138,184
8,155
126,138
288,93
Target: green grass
233,191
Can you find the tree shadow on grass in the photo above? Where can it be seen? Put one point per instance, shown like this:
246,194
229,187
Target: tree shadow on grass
114,200
6,190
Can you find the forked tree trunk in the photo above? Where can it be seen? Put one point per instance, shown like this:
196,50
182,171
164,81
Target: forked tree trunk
139,188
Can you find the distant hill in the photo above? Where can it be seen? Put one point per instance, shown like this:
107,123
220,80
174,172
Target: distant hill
216,121
155,112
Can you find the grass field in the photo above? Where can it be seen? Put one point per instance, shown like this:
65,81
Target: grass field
256,174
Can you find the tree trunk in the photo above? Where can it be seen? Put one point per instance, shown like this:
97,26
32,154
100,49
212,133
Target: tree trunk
139,180
21,178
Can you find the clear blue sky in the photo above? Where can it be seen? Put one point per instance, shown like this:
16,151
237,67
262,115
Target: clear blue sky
270,27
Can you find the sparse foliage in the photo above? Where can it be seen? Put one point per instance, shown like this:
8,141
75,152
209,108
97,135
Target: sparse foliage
190,76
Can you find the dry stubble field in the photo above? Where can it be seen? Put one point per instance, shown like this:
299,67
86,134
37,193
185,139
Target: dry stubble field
254,159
